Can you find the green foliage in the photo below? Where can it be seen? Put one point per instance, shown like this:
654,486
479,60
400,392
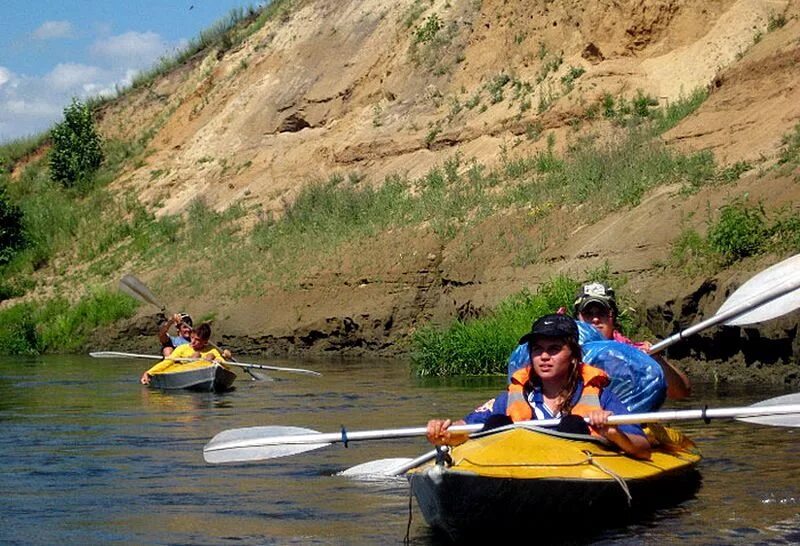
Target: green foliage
733,172
57,326
481,346
12,231
77,148
435,45
739,231
324,215
672,114
790,150
691,254
428,30
614,175
776,21
568,80
784,233
496,85
18,334
223,34
13,151
414,11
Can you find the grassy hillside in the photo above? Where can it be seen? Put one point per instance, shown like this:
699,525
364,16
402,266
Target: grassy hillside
417,186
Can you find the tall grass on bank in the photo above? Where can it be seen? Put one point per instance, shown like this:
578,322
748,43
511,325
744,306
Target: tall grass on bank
58,326
738,230
481,346
14,150
611,175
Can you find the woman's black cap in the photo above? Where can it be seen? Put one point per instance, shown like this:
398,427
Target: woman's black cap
552,326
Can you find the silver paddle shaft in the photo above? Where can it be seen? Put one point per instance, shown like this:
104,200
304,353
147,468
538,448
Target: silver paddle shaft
653,417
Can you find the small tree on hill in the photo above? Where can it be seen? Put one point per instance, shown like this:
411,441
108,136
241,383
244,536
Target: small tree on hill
77,148
12,234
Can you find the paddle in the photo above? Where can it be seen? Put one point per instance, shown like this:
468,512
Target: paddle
132,286
778,286
387,467
136,288
115,354
268,442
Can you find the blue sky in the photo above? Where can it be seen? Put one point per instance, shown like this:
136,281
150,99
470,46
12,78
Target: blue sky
54,50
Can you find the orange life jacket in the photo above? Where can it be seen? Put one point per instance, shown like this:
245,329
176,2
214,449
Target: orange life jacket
594,379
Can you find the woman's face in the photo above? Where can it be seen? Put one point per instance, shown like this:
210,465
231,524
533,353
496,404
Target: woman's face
551,357
599,316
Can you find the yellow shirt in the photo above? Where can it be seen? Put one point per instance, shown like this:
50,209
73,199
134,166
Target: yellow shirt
183,351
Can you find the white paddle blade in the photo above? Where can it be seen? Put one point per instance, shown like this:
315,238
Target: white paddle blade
777,278
218,449
381,468
787,420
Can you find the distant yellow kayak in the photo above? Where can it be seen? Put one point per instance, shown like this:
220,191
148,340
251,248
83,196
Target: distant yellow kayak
200,375
518,479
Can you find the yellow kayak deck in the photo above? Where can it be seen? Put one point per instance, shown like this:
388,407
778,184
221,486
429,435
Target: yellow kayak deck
526,454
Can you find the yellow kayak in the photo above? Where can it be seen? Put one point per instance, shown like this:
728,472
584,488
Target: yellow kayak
200,375
510,480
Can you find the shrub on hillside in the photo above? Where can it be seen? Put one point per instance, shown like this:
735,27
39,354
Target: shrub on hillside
12,233
77,148
739,232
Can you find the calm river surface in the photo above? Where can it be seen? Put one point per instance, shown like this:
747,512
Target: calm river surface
89,456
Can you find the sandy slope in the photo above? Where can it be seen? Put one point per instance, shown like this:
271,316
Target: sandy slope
331,87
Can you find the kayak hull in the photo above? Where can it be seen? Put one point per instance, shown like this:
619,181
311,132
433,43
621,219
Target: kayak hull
194,376
534,480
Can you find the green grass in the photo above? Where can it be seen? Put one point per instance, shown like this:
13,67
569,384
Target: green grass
481,346
671,115
739,229
14,150
611,176
59,326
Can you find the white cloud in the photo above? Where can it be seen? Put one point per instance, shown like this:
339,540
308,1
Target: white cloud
69,75
50,30
36,108
135,49
5,76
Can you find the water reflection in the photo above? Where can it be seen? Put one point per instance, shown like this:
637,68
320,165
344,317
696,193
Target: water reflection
88,455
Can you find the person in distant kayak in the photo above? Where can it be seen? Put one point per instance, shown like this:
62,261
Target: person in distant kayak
199,347
596,304
183,325
556,384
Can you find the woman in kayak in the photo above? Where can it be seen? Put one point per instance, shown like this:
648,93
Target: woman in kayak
555,385
199,347
596,305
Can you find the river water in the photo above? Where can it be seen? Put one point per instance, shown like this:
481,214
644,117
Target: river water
89,456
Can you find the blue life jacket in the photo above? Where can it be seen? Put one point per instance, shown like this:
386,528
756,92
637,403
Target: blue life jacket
636,379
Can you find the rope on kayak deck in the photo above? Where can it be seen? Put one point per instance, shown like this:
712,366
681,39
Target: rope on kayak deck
590,459
617,478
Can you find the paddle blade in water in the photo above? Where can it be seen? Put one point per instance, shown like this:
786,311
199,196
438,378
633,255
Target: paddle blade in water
230,446
380,468
778,278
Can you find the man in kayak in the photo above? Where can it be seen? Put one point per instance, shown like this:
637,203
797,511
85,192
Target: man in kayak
183,324
556,384
596,304
199,347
